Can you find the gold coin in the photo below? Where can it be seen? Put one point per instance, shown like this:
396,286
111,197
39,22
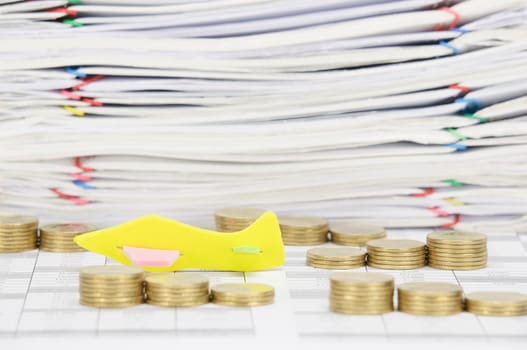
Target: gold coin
178,280
395,245
303,243
302,223
335,253
102,272
243,304
500,300
361,279
430,289
14,221
242,290
461,268
396,267
177,302
347,231
111,303
238,214
70,229
453,237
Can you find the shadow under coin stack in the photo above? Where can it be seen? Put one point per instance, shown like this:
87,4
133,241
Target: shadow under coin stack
111,286
361,293
18,233
303,230
242,294
430,298
236,219
58,238
457,250
177,290
396,254
335,258
497,303
354,233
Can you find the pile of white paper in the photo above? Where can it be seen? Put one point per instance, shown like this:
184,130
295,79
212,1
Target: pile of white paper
405,113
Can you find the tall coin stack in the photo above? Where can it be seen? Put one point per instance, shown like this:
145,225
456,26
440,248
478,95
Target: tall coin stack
396,254
361,293
497,303
303,230
177,290
430,298
236,219
335,258
111,286
242,294
18,233
59,237
354,233
457,250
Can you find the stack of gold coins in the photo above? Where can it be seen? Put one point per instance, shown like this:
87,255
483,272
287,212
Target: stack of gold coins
430,298
242,294
457,250
236,219
361,293
18,233
396,254
303,230
110,286
59,237
335,258
177,290
354,233
497,303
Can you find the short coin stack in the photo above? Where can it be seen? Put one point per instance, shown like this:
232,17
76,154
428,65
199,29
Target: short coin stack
361,293
242,294
497,303
59,237
457,250
303,230
236,219
335,258
177,289
109,286
354,233
396,254
430,298
18,233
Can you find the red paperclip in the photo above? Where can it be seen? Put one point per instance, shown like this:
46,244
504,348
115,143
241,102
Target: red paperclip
79,165
455,21
457,217
426,193
69,197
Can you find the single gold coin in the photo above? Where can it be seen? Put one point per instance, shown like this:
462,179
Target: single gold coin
102,272
394,245
180,280
240,213
335,253
453,238
242,290
347,232
67,229
17,221
497,303
430,289
361,279
302,223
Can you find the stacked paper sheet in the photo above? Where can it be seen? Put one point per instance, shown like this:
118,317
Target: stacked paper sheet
402,113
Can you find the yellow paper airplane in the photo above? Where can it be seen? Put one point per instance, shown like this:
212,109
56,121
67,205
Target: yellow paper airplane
158,244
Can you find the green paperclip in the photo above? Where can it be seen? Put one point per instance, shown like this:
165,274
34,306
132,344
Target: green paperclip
72,23
453,183
246,249
74,2
472,116
456,134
